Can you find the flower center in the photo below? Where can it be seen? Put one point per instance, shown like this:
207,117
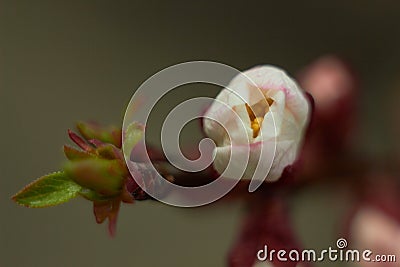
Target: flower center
257,112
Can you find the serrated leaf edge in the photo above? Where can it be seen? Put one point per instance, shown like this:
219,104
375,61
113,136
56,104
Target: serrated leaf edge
14,197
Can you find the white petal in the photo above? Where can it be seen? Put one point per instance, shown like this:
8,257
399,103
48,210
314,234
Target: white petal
284,123
228,125
231,155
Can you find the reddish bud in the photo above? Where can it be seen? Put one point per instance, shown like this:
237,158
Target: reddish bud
374,223
108,134
79,141
333,86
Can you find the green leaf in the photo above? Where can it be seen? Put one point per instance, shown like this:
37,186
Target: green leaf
132,135
49,190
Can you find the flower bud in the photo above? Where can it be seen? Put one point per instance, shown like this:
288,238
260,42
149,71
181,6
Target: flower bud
93,130
375,223
375,230
105,177
259,108
333,86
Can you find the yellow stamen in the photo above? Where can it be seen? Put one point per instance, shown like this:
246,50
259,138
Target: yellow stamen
256,126
257,112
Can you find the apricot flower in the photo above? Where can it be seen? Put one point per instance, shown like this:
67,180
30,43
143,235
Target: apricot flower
269,110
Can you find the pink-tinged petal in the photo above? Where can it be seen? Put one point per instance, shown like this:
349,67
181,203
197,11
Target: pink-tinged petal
334,87
374,230
272,78
269,109
374,222
331,82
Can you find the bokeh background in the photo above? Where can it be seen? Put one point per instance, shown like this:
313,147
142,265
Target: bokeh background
63,61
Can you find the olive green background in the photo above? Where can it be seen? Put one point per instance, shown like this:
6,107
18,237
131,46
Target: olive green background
63,61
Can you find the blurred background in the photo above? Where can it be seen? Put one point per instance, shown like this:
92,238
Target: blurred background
63,61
